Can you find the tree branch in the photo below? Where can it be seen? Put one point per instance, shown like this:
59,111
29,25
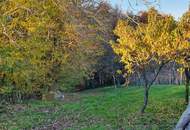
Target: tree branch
157,73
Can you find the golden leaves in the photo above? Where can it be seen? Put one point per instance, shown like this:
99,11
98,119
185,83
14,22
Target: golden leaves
157,40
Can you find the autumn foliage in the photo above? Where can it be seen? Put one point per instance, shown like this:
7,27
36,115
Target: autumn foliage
150,44
46,45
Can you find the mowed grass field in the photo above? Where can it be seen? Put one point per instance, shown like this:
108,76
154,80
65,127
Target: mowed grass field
99,109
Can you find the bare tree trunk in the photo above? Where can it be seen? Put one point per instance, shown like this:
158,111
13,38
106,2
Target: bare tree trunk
146,95
187,86
114,80
148,84
100,81
174,73
187,91
181,79
146,92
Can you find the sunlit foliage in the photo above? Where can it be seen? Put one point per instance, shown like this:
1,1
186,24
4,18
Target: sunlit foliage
44,45
150,44
156,40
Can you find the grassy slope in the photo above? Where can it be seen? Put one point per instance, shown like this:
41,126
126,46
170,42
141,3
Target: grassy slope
102,109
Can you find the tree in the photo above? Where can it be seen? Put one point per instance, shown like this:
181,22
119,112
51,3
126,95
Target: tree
149,45
184,27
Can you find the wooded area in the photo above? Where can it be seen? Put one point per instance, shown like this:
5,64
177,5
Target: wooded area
50,47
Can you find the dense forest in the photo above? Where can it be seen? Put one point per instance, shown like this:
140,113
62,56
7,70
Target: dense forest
62,46
56,45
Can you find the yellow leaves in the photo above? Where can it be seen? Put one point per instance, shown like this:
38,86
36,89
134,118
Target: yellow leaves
182,35
1,61
119,72
48,39
23,17
31,24
70,32
139,45
161,39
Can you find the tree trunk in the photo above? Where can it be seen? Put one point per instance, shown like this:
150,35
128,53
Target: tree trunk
100,79
187,75
114,81
187,90
148,83
146,95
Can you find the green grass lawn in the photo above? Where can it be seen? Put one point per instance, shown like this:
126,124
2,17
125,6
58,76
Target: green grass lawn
100,109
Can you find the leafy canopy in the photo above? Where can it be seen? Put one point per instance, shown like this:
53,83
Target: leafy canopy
155,40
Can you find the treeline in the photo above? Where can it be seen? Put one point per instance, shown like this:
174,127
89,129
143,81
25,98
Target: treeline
51,45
